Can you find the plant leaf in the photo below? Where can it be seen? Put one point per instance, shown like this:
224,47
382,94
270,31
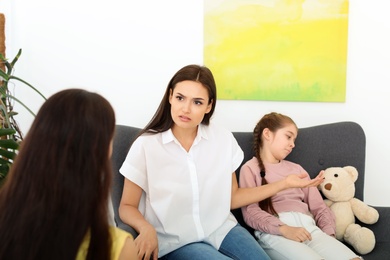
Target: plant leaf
4,162
21,103
7,131
9,144
7,154
4,75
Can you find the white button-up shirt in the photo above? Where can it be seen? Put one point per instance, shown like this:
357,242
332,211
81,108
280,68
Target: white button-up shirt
186,194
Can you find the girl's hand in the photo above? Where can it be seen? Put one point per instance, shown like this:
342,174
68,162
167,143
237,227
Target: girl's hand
301,181
298,234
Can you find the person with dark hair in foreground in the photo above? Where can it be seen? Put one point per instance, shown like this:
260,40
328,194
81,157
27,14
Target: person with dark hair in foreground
54,202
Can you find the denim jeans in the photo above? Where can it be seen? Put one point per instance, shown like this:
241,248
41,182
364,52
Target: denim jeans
238,244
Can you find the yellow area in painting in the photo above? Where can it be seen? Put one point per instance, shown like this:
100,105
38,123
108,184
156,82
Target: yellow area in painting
259,52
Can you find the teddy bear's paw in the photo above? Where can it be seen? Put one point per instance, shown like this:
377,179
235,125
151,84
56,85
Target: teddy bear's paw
362,239
370,216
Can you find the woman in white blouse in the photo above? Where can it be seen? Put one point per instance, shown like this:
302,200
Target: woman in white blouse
180,181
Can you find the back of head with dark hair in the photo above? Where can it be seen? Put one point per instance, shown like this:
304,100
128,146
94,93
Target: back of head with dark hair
273,121
162,119
59,184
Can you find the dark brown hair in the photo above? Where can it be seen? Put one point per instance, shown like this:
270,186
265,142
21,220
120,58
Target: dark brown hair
273,121
58,187
162,119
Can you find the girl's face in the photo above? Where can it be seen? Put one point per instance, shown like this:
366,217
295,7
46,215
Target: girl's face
282,141
189,103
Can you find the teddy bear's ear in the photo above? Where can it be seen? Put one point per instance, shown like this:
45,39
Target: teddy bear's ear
352,171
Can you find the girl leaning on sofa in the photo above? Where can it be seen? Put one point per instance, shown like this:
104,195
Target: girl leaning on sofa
295,223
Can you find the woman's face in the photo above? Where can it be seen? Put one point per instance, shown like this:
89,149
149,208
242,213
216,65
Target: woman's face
189,103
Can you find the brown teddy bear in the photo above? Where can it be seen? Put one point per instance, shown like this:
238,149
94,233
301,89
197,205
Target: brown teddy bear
339,190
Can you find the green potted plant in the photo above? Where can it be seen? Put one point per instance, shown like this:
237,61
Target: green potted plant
10,134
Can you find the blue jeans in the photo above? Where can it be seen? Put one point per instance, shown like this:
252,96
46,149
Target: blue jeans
238,244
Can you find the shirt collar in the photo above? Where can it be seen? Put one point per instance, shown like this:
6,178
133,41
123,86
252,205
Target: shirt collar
168,136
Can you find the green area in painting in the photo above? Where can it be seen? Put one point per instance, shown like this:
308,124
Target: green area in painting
266,59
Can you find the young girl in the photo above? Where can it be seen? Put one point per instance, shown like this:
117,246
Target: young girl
295,223
180,179
54,201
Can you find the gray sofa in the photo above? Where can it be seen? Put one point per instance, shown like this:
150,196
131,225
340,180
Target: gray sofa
317,147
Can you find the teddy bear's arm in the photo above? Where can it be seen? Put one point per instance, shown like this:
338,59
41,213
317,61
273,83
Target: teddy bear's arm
363,212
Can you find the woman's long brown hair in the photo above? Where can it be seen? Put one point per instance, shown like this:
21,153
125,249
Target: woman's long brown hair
273,121
58,187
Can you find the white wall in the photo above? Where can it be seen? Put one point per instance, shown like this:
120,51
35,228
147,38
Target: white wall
128,51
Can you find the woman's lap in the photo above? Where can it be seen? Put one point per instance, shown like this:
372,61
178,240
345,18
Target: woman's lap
195,251
238,244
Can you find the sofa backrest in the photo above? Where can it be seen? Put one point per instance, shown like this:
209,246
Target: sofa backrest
316,148
124,136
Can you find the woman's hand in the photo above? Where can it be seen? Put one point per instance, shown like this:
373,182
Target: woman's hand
298,234
301,181
147,243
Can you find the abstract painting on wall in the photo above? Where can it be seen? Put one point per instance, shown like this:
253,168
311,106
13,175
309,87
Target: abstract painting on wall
276,49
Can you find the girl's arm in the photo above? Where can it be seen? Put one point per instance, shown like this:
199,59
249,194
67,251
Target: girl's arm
323,215
146,242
